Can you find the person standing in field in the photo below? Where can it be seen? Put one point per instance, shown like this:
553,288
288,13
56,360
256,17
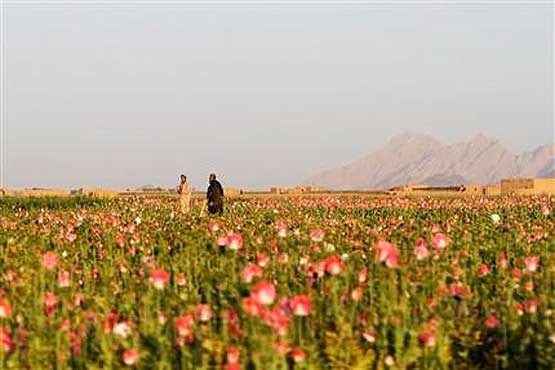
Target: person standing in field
215,196
184,190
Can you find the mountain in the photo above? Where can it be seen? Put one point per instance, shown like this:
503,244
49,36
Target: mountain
538,163
413,158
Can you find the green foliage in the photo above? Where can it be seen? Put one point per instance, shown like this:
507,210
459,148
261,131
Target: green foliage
110,248
51,203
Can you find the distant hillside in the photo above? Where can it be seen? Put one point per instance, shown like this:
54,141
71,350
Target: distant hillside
444,180
420,159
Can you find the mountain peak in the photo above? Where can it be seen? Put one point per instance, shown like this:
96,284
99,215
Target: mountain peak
481,139
418,158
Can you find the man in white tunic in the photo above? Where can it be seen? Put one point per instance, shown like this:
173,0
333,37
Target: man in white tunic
184,190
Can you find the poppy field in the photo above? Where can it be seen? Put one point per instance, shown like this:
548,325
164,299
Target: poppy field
278,283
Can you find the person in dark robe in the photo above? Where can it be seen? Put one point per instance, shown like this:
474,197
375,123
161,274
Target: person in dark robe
215,196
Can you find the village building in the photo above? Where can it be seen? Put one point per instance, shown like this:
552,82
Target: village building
507,186
528,186
231,192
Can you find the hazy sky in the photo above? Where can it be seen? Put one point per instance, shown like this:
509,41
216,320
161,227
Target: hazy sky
263,95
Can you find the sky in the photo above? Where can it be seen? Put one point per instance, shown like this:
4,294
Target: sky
262,95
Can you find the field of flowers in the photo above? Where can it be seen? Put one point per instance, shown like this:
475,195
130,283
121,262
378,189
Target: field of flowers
278,283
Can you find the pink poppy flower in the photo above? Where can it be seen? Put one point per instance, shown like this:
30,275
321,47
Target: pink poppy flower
222,241
65,325
232,355
262,260
159,278
70,235
356,294
532,305
492,322
203,313
184,325
10,276
50,300
214,226
5,309
420,250
6,340
231,319
252,307
427,339
440,241
297,355
483,270
274,246
389,361
75,340
122,329
111,220
77,300
316,270
181,279
282,229
277,319
162,318
63,279
110,321
317,235
520,308
458,290
502,261
180,341
250,272
516,274
281,348
388,253
532,263
120,240
382,250
130,357
49,261
369,335
334,265
300,305
264,293
235,241
363,275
